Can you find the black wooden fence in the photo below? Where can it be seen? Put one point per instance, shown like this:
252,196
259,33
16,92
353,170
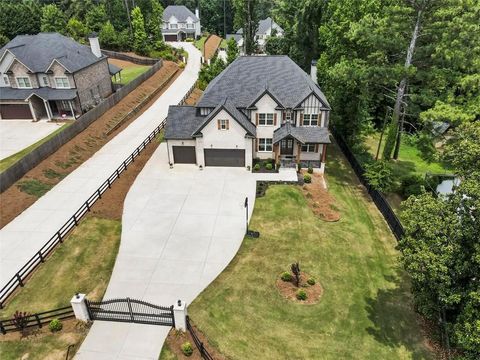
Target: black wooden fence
38,319
377,197
203,352
57,238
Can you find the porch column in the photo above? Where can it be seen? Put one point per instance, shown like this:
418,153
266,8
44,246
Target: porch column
299,151
32,110
324,153
48,110
275,150
71,108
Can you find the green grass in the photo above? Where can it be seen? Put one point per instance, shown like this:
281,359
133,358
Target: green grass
130,73
12,159
83,263
366,309
200,43
34,187
224,44
166,353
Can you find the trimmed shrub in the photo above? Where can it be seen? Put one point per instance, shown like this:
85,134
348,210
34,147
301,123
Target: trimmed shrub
310,170
181,65
187,348
256,167
311,281
301,295
269,166
307,179
55,325
286,276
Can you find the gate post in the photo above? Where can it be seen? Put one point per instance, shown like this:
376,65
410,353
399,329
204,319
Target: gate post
180,315
79,306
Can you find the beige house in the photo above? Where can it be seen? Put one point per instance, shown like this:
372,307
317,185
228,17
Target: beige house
50,76
262,107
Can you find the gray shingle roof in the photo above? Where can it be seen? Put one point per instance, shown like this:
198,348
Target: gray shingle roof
265,24
180,12
247,76
38,51
182,121
113,69
304,134
237,37
45,93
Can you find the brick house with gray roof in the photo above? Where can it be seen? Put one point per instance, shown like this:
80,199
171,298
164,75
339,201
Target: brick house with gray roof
50,76
262,107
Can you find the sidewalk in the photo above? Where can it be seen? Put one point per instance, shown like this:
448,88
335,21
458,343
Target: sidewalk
23,237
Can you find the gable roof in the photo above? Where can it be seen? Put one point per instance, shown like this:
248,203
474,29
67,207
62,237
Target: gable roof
182,121
303,134
265,24
248,76
37,52
181,12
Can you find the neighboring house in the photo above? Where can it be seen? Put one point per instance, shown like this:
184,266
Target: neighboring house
258,107
265,28
179,23
50,76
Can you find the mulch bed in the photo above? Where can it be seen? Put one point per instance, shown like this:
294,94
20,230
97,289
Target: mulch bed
319,199
288,290
211,45
194,97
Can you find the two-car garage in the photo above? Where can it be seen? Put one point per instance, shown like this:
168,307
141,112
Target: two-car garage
15,111
213,157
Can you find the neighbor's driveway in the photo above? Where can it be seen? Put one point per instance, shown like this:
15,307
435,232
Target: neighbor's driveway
16,135
180,229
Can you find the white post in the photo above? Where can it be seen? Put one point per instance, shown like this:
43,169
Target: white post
80,307
180,315
71,108
47,109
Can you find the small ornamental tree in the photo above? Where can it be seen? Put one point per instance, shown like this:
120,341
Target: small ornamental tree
296,272
20,320
379,175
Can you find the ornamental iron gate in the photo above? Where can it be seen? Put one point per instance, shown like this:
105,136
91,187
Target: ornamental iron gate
131,310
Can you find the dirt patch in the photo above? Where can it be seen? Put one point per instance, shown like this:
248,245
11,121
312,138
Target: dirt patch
72,154
289,291
176,339
121,63
211,46
319,199
194,97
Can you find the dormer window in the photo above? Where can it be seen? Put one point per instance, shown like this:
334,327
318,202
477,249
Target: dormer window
173,26
310,119
265,119
61,82
23,82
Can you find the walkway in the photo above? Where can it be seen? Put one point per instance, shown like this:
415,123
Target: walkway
24,236
180,228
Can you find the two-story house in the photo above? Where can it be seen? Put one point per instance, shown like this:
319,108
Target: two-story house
266,27
258,107
179,23
50,76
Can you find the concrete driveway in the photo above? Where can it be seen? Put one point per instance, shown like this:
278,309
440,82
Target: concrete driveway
16,135
180,228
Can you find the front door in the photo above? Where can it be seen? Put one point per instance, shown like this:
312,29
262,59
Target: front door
286,147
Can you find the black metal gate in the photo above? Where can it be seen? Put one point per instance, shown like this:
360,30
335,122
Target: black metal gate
131,310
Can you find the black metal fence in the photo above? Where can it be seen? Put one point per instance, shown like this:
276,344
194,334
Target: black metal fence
203,352
377,197
19,278
37,320
131,310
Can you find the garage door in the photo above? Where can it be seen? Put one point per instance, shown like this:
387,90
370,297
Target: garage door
15,111
184,155
224,157
171,38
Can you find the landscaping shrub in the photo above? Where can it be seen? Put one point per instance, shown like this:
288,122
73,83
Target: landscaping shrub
55,325
299,167
310,170
181,65
189,40
20,320
311,281
379,175
307,179
301,295
256,167
412,185
286,276
269,166
187,349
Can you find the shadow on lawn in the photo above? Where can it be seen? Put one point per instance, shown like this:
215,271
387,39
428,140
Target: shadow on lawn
395,321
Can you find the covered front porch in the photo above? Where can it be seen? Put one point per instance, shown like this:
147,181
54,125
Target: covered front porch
54,106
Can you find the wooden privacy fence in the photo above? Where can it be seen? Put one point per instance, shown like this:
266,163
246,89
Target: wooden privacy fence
37,320
133,59
19,278
377,197
203,352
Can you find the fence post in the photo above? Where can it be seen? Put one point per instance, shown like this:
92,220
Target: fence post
79,306
180,315
2,328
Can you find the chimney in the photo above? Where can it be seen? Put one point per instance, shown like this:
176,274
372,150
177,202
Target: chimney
94,44
197,14
313,71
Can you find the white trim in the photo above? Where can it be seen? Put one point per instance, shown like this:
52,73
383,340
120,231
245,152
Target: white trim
15,59
59,63
23,87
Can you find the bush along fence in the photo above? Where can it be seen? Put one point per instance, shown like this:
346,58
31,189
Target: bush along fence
377,197
23,321
201,348
21,276
29,161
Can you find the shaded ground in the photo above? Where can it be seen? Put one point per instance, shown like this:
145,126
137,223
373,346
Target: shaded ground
366,309
194,97
211,46
53,169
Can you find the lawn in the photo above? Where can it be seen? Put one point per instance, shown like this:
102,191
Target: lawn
130,73
12,159
200,43
366,309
